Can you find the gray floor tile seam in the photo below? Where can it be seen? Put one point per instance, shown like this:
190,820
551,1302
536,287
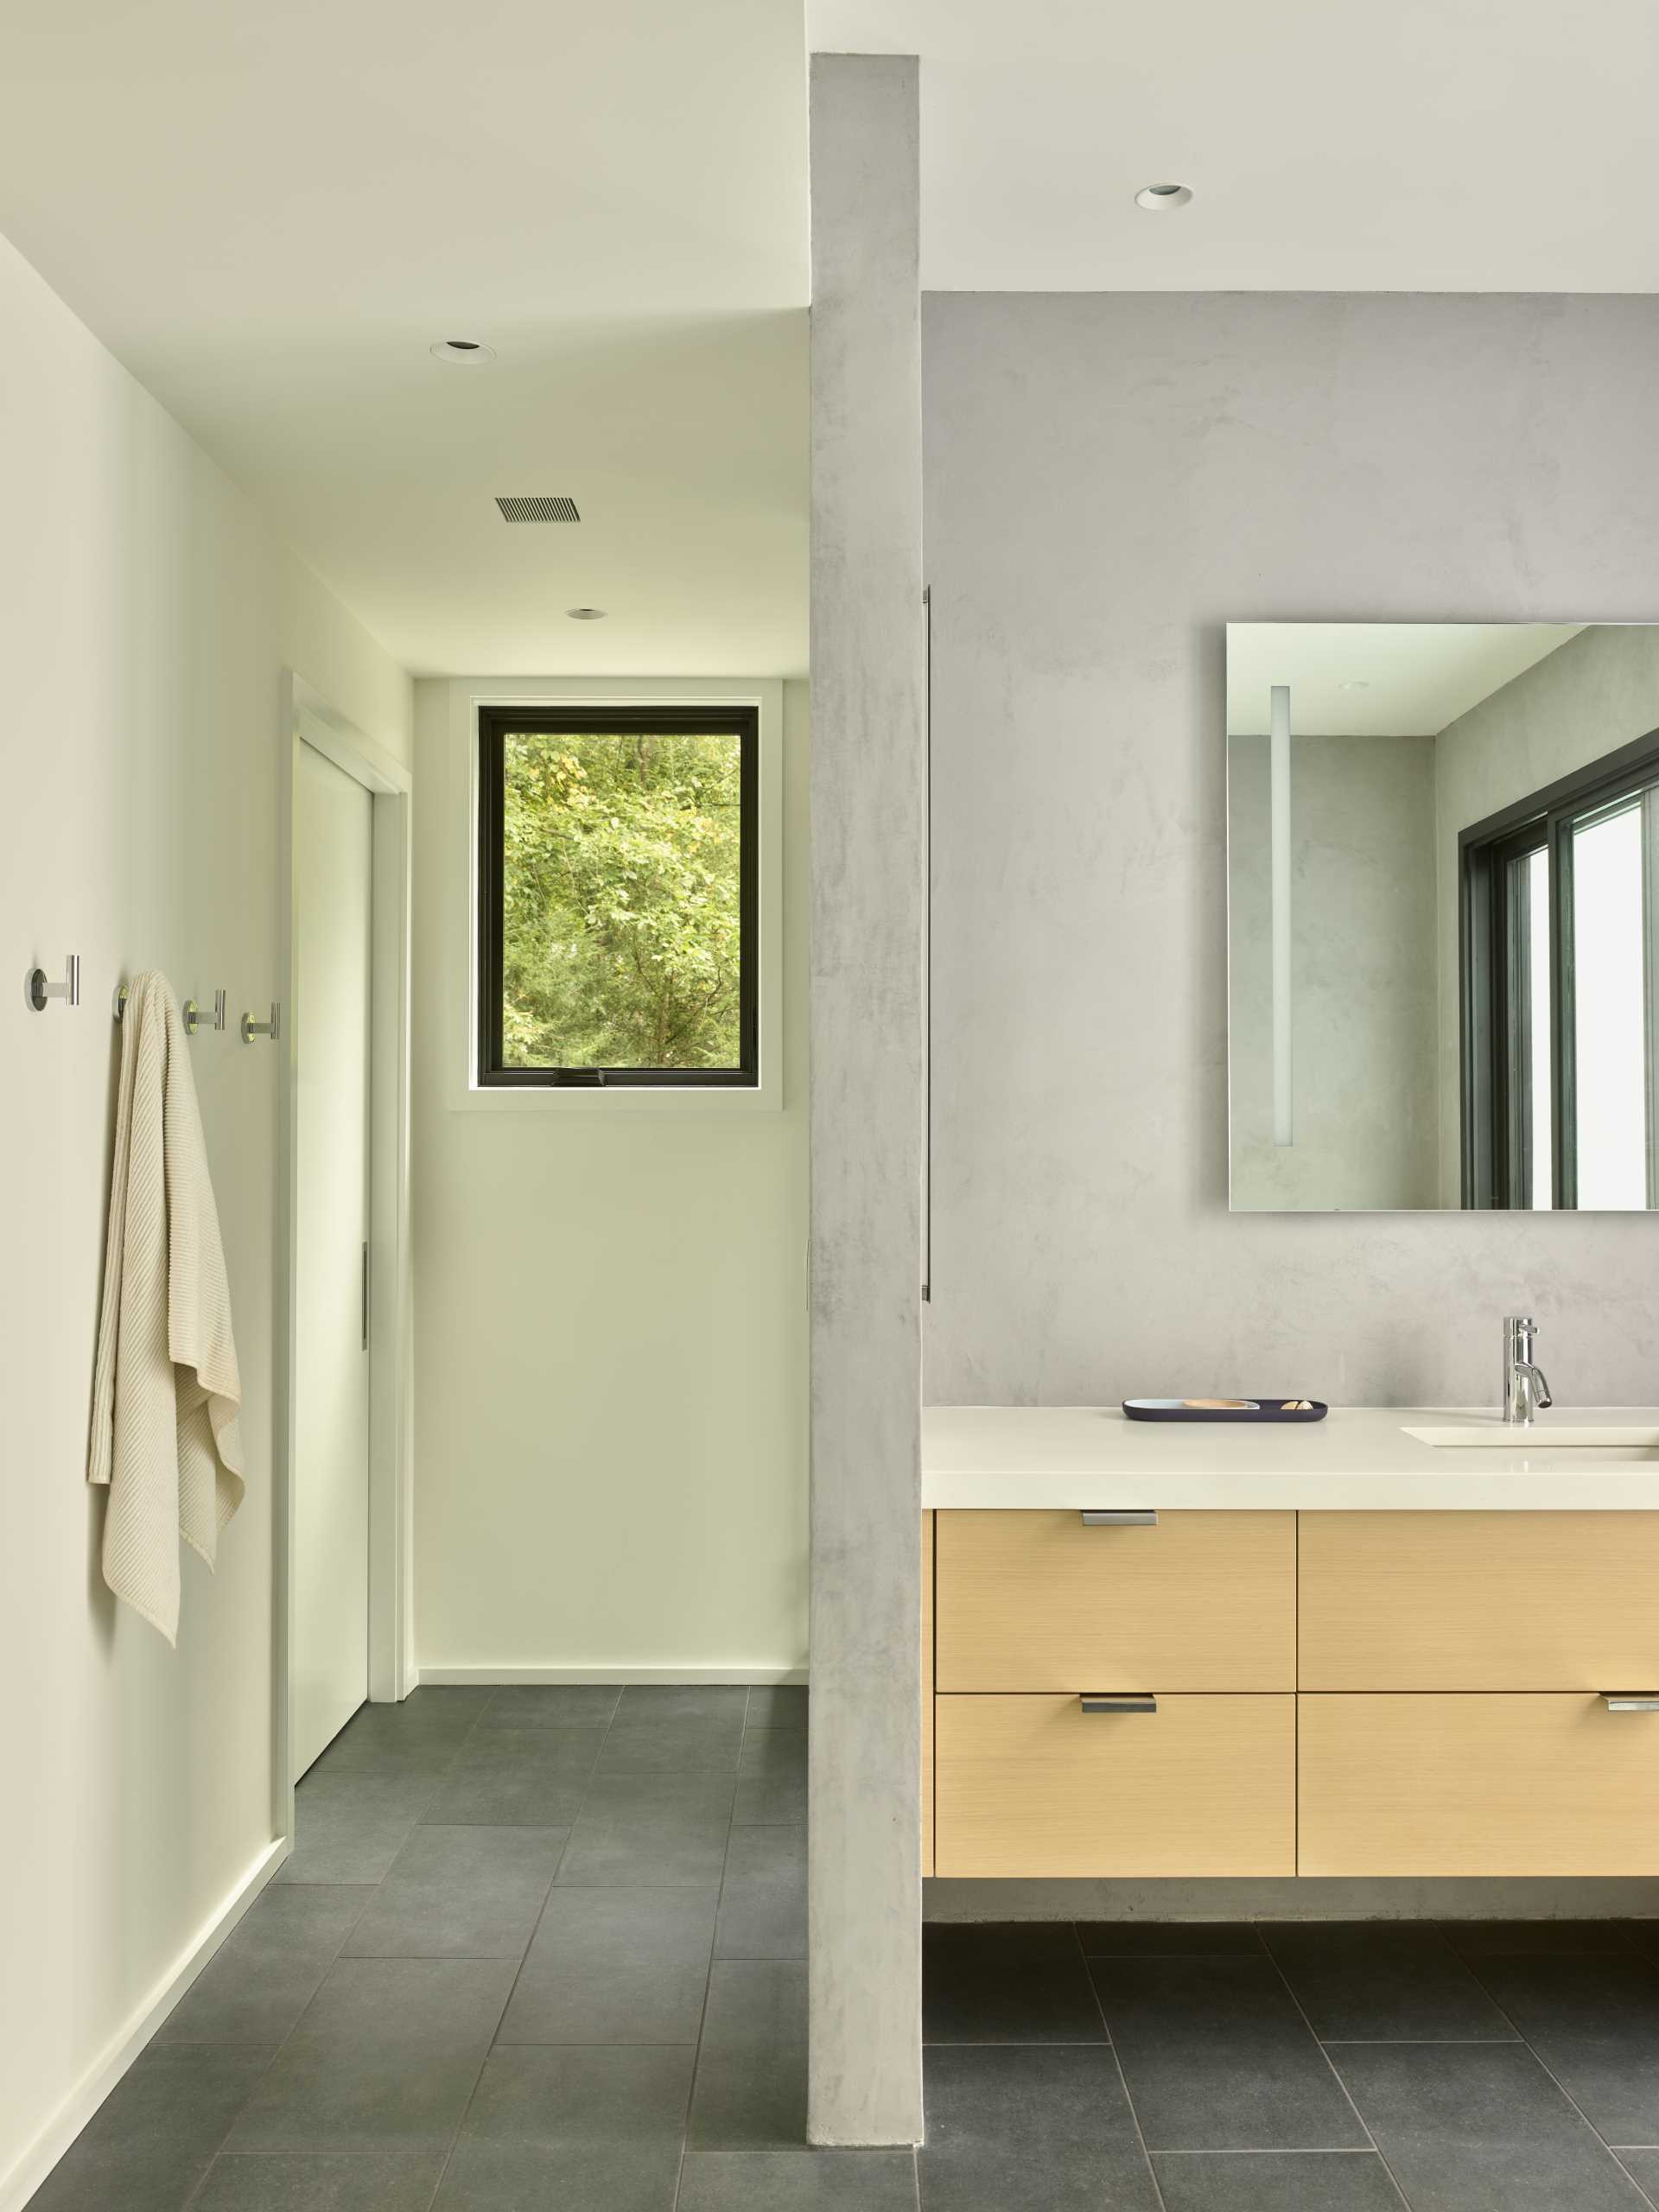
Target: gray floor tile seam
214,2156
373,1890
1538,2059
703,2023
449,2148
1279,2151
1646,2195
495,2043
1441,2042
221,2154
604,2043
1134,2117
994,2042
1353,2106
490,2048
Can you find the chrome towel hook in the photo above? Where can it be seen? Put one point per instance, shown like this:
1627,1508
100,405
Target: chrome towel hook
251,1028
37,990
192,1016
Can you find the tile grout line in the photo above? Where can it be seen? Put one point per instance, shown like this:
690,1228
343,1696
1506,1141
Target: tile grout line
1645,2194
1539,2060
494,2044
1335,2076
1279,2150
1117,2065
373,1891
708,1977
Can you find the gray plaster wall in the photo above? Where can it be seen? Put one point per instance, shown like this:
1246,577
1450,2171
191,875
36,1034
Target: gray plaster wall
1362,975
868,909
1110,478
1598,691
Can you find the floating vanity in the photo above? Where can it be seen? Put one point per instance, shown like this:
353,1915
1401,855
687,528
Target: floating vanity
1399,1642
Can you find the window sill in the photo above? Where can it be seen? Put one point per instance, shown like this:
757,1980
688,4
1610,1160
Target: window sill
763,1097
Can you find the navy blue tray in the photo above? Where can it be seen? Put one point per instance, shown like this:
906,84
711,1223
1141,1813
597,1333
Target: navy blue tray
1225,1408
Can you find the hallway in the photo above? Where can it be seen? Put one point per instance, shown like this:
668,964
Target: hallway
534,1946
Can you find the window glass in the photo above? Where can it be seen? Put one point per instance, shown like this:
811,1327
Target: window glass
1609,1020
617,879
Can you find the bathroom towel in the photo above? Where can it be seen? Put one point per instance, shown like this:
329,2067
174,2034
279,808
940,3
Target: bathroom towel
166,1391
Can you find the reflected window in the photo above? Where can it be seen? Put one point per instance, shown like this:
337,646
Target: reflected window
1560,985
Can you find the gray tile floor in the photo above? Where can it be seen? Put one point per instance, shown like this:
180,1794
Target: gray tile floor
1305,2068
542,1950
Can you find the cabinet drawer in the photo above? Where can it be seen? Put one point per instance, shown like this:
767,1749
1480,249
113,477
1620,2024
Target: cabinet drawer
1478,1601
927,1692
1037,1601
1036,1786
1483,1784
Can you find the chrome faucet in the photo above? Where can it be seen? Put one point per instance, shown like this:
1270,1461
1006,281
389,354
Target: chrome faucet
1525,1391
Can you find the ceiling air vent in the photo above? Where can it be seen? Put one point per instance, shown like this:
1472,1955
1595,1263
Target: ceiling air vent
559,510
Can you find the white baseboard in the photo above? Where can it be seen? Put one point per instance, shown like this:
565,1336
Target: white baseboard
20,2180
504,1675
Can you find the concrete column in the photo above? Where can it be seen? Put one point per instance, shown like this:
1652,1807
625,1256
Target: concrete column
869,894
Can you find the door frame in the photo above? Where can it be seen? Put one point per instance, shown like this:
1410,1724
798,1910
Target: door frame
309,720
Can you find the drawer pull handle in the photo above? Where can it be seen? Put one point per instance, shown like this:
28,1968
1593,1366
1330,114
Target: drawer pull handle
1144,1703
1121,1516
1630,1700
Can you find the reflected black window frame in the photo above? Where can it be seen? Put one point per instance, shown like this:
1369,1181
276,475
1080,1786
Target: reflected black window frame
495,725
1493,999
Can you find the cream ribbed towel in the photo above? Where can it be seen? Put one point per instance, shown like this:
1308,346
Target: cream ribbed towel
165,1387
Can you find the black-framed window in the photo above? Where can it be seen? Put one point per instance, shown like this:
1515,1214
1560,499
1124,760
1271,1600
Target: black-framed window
617,865
1560,992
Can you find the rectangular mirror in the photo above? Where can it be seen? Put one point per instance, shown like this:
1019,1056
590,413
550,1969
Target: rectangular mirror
1443,916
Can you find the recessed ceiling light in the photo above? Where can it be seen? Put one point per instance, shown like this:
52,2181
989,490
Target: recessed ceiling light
1355,684
1163,196
586,614
467,351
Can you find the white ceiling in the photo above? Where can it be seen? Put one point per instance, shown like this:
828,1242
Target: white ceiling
270,212
1333,145
1377,679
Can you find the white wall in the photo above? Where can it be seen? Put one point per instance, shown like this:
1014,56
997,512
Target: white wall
1111,481
611,1353
145,619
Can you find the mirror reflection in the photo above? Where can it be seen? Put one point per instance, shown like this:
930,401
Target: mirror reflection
1443,915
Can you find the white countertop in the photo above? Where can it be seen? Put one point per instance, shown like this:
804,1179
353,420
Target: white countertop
1359,1458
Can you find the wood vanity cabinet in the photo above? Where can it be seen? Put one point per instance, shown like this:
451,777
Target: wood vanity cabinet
1487,1783
1336,1694
1040,1601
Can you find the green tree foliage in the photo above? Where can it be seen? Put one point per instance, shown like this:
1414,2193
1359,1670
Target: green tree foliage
621,890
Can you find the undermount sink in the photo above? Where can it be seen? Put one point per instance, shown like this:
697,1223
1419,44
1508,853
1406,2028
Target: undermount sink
1605,1441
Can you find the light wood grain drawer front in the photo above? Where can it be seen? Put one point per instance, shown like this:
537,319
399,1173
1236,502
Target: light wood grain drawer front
1481,1784
1037,1601
927,1692
1478,1601
1035,1786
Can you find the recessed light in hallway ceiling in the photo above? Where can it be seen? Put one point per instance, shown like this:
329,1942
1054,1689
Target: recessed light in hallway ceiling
586,614
465,353
1161,196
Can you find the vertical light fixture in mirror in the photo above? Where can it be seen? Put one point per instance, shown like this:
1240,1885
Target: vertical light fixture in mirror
1443,915
1278,810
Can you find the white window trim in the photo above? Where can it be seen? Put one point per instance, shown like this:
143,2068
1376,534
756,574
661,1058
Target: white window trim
464,1091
